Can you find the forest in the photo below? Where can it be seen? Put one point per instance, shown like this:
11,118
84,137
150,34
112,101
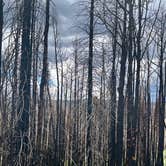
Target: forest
82,82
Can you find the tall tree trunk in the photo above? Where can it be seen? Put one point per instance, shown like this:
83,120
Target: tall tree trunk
1,86
160,160
15,83
34,45
112,139
75,109
136,124
24,86
70,115
15,69
61,130
44,79
121,104
90,86
130,113
148,155
58,92
1,32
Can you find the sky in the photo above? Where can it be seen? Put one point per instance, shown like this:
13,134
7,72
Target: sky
65,14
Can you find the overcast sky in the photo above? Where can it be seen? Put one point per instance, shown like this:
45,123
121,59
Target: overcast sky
65,12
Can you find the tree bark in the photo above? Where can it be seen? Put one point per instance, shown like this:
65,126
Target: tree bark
24,86
44,79
121,104
90,86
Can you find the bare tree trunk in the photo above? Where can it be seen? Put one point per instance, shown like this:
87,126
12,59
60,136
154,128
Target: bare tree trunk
15,83
34,45
61,130
130,113
160,160
24,87
136,124
148,152
15,69
90,86
1,33
44,80
121,104
112,135
70,117
75,109
55,31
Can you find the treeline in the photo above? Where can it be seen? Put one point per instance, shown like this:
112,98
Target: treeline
106,103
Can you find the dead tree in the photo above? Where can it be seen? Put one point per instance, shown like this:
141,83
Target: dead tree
1,33
160,160
121,104
130,143
55,31
112,139
24,86
90,86
44,78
